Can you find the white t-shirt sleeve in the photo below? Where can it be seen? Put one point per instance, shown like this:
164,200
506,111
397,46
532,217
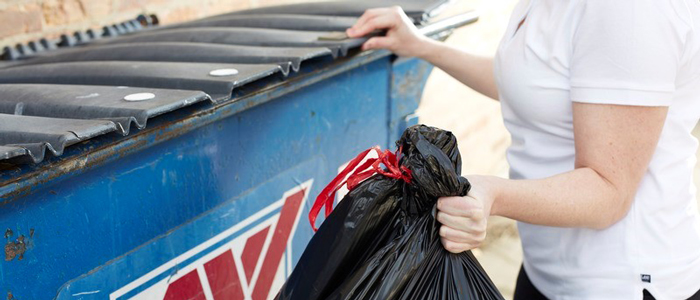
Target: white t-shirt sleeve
626,52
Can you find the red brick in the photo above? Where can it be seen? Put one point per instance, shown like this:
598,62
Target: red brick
96,8
20,19
141,5
180,14
217,7
62,12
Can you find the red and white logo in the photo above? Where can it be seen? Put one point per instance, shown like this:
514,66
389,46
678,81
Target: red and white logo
246,266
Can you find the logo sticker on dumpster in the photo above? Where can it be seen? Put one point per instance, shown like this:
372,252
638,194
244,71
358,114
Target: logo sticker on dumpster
249,261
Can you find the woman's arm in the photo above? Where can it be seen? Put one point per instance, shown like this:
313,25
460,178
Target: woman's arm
403,38
614,145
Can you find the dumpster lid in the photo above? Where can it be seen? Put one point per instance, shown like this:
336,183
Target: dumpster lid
51,99
7,152
418,10
119,104
269,42
149,51
38,134
272,21
217,80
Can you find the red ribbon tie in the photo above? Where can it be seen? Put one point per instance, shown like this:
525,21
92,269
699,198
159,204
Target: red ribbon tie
371,166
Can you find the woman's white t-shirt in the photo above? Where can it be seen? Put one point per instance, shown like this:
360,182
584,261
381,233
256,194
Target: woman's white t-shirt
622,52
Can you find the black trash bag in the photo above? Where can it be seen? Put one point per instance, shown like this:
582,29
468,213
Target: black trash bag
381,242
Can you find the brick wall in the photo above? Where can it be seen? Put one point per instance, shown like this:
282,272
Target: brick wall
25,20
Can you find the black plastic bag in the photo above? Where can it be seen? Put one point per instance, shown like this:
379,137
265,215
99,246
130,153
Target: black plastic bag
381,241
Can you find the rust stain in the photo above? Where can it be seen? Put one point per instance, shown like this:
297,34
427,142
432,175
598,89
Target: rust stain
15,249
17,192
10,296
174,131
66,167
407,84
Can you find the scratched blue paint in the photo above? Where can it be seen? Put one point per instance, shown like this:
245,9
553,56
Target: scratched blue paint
407,81
198,231
85,221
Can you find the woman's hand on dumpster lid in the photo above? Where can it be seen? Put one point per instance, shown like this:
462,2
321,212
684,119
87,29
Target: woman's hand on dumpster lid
402,37
464,219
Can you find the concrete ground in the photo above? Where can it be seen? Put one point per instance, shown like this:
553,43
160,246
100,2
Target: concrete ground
476,121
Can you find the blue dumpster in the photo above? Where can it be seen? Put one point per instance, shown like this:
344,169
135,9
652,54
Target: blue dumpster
180,162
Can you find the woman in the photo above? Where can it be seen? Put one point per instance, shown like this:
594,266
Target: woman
600,98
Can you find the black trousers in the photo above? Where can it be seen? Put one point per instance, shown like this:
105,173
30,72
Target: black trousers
525,290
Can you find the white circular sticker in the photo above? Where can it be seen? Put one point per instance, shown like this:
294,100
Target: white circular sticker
139,97
223,72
